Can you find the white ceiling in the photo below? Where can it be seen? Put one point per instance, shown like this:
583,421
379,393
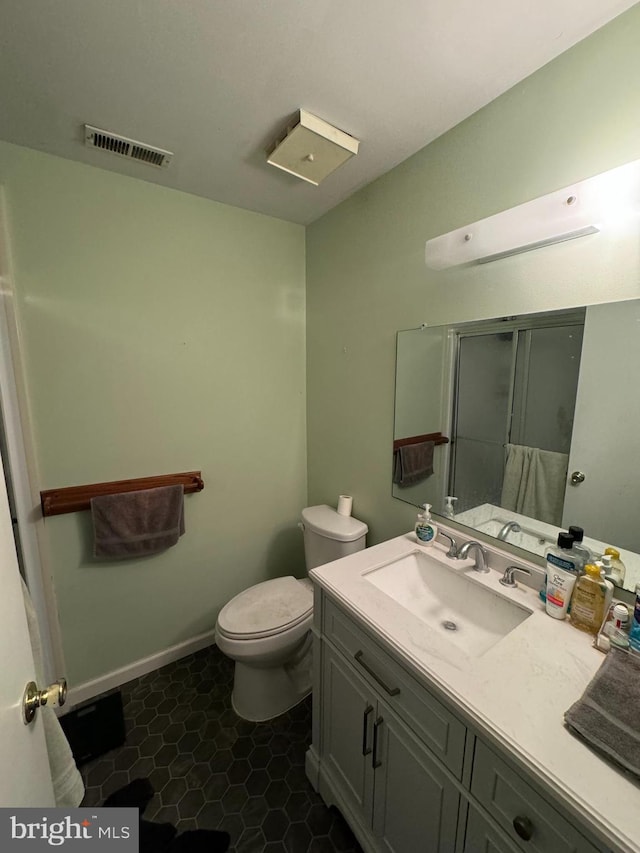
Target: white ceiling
215,81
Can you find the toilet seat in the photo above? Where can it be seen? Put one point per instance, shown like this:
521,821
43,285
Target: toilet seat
266,609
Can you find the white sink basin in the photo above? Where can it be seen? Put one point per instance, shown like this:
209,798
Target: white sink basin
469,616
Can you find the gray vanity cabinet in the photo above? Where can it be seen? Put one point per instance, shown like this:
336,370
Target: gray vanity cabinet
404,769
380,771
348,705
415,804
481,837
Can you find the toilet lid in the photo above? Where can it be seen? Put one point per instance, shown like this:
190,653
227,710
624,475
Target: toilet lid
266,608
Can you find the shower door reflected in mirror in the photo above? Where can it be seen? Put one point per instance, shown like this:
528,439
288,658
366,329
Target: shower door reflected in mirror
514,399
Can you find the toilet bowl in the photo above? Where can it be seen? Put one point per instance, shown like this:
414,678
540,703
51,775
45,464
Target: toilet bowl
266,631
266,628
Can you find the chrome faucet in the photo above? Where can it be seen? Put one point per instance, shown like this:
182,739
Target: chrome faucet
452,553
509,527
480,561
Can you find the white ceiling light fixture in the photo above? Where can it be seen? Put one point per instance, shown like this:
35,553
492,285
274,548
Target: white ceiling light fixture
575,211
311,149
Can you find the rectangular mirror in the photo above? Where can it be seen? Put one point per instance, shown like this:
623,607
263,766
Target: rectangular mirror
539,418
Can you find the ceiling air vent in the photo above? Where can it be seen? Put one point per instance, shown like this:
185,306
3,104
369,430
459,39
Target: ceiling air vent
124,147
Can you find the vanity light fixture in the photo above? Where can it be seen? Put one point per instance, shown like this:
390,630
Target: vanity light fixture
311,148
575,211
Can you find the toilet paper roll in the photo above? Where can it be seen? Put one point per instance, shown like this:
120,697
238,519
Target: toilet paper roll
345,502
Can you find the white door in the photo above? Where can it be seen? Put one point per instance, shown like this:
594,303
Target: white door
25,779
605,445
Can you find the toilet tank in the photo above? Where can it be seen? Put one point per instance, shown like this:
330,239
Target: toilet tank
329,536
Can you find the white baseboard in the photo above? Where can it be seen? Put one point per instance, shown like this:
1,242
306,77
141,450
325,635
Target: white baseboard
90,689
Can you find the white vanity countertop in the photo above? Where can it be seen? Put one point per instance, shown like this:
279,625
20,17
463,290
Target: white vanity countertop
518,690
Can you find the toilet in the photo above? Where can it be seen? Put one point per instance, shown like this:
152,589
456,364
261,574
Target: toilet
266,629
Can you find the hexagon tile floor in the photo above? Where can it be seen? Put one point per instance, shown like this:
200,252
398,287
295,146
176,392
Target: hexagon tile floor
212,770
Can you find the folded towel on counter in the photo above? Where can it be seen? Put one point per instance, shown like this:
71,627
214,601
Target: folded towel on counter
135,524
413,463
607,716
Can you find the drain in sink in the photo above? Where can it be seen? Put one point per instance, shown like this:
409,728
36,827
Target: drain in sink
449,626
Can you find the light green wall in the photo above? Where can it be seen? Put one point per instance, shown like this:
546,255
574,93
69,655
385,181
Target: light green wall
161,332
366,277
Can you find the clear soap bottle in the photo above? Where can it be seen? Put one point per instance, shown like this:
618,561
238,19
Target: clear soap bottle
426,530
589,600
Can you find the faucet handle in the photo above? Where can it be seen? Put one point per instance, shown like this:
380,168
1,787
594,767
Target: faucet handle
508,580
453,545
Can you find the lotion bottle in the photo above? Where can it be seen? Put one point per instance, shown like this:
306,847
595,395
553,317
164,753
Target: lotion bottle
563,568
559,586
426,530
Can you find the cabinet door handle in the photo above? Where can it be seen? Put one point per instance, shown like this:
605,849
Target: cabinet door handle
365,717
392,691
521,824
374,758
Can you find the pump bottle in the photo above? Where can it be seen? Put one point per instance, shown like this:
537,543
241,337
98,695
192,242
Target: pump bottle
448,506
426,530
618,569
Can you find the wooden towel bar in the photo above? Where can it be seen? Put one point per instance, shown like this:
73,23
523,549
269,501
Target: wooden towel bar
78,498
435,437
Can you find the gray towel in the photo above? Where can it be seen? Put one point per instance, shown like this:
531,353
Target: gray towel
134,524
413,463
534,482
607,716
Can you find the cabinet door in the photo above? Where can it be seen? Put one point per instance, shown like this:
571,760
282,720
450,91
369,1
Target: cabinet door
415,804
348,709
481,837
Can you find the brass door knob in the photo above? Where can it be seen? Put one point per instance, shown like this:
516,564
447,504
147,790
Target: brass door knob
55,694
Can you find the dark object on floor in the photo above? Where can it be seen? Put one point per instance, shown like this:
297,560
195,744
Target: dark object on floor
136,794
95,728
162,837
200,841
156,837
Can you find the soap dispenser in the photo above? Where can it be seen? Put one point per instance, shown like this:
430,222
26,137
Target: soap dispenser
426,530
448,506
